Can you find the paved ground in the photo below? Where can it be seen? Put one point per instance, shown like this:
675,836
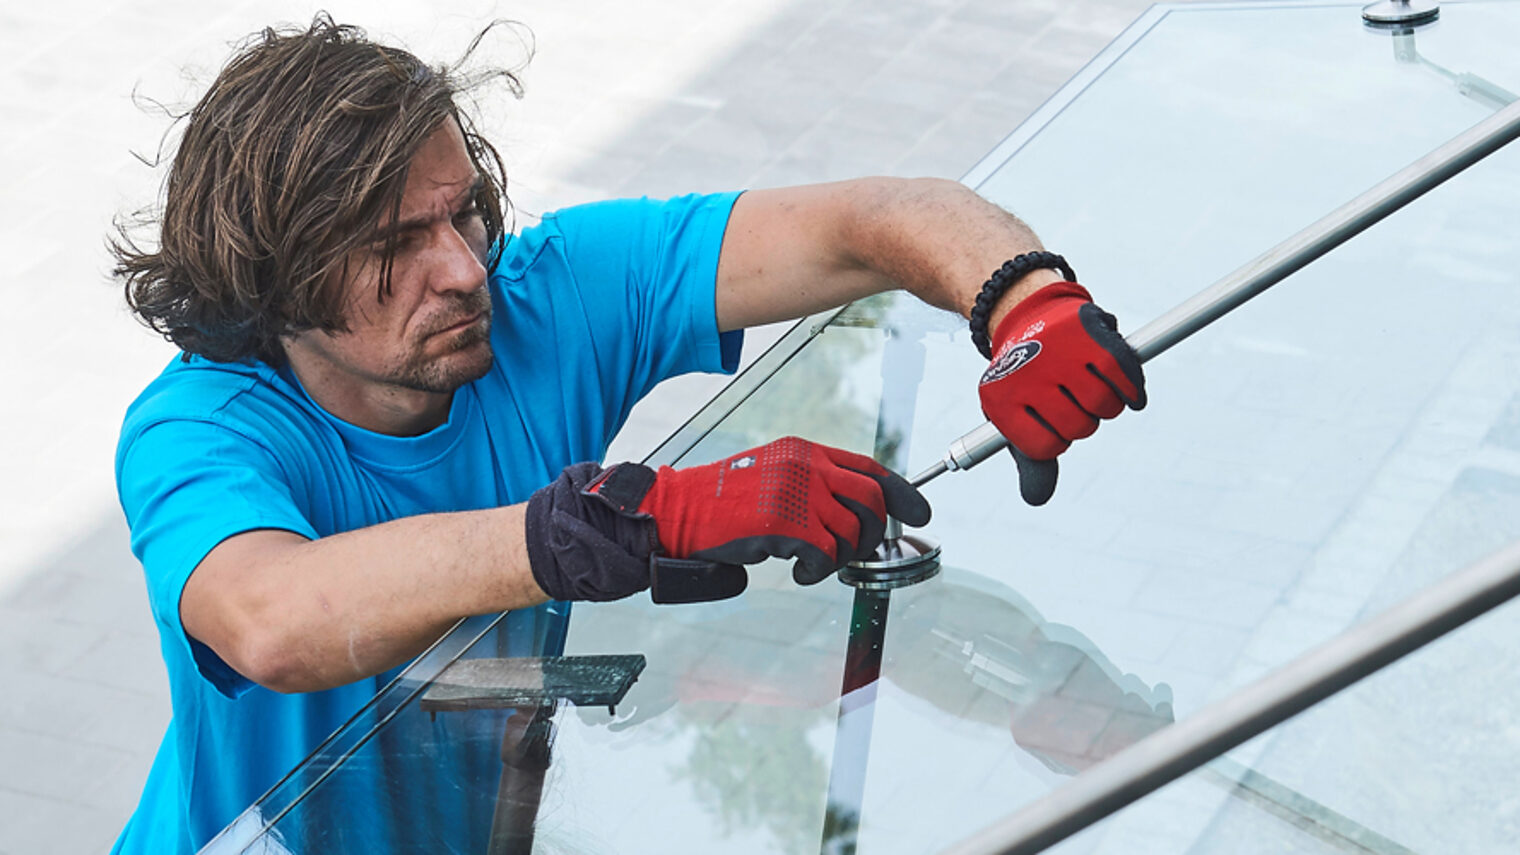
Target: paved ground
623,99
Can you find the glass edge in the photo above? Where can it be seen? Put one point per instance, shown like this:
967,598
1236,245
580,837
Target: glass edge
1111,54
421,669
738,390
1056,103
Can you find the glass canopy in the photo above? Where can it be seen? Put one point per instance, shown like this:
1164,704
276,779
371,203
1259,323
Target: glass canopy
1332,447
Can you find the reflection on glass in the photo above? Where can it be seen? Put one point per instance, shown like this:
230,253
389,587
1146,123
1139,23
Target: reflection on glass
980,652
1415,759
398,778
757,713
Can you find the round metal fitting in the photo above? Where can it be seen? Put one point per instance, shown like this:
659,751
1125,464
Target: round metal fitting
1400,13
898,562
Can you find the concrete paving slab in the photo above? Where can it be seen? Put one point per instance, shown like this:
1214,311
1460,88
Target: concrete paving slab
35,825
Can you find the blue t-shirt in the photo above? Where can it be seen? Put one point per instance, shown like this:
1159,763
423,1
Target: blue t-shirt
592,308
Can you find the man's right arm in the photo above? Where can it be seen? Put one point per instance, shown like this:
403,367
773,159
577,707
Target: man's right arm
298,615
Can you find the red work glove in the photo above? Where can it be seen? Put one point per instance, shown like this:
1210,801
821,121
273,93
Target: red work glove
788,499
1058,366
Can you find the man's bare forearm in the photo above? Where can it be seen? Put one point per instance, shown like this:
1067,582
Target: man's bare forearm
792,251
940,241
297,615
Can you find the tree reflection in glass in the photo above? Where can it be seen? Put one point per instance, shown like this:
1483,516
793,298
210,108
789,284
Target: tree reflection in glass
970,646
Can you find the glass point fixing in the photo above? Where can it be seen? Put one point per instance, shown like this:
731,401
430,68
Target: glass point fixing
1400,13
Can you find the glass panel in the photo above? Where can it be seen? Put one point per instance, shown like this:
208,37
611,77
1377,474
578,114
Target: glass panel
1331,447
1419,757
1223,131
1262,505
392,756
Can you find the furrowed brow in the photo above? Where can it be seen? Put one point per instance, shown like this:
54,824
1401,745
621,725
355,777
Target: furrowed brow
385,233
460,202
467,198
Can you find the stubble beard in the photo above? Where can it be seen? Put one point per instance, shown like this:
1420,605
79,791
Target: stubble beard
467,358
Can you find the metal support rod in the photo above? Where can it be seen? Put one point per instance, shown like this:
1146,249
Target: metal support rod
1279,262
857,713
1172,752
902,370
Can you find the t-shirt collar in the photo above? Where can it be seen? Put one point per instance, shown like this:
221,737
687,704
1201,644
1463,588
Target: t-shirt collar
394,452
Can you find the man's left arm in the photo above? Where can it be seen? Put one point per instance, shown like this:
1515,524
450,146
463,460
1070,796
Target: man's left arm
1059,365
792,251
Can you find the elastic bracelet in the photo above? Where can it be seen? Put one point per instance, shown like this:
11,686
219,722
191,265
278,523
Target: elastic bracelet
1012,271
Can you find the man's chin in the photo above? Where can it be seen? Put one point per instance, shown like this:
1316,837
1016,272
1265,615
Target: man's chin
449,372
470,364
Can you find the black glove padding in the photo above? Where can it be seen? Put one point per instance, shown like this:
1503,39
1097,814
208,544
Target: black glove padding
582,548
1037,478
1059,368
591,546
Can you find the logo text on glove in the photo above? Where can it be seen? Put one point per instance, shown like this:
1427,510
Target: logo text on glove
1011,359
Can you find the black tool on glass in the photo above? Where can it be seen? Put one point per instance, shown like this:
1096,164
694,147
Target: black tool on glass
533,688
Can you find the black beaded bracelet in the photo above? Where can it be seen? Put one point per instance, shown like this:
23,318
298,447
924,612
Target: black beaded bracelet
1012,271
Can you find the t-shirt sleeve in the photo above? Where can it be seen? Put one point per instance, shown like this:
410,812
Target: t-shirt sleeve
186,486
648,270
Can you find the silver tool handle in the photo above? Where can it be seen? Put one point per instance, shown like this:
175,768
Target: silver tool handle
1279,262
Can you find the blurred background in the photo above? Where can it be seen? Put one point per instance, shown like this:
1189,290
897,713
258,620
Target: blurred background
621,99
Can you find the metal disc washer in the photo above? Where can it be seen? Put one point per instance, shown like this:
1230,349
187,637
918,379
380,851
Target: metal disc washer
898,562
1399,13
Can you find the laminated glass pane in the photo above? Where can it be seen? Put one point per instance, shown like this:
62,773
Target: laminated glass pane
1416,758
1224,129
399,777
1330,448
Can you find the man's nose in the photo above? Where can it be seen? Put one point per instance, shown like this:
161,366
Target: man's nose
457,266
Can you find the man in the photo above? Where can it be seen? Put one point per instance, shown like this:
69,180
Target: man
386,404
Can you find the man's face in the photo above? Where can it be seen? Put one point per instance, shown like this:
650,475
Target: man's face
431,332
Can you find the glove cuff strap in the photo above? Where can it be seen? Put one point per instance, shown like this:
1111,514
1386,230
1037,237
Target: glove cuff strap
693,580
623,486
580,546
1001,280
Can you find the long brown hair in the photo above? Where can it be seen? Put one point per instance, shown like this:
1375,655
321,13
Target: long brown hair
288,163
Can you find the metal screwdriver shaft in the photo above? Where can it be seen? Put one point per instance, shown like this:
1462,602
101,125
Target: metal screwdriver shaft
929,474
1278,263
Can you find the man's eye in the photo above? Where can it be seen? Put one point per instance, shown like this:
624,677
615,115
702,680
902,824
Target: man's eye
470,213
398,244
